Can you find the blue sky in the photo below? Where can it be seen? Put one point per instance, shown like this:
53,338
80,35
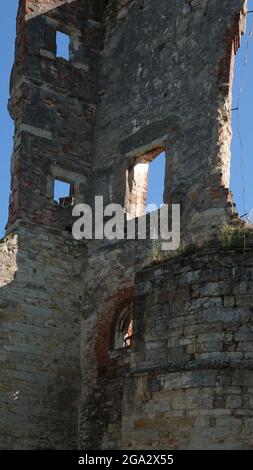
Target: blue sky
7,40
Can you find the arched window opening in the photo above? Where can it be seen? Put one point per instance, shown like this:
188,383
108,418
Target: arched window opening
128,335
123,334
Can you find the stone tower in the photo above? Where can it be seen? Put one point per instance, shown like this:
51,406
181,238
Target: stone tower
112,344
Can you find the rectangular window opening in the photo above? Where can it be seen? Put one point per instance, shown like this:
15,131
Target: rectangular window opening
63,193
156,178
145,184
62,45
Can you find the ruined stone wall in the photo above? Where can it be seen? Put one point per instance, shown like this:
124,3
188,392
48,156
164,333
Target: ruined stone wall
190,384
53,103
140,78
159,88
165,76
109,288
41,300
41,293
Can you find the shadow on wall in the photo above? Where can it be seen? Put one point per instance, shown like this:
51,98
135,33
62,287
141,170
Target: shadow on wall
40,321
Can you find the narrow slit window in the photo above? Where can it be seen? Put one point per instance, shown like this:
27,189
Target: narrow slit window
63,193
62,45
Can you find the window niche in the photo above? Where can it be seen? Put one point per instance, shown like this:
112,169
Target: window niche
145,183
65,188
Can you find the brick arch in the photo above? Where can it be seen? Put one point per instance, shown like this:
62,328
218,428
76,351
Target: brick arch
107,323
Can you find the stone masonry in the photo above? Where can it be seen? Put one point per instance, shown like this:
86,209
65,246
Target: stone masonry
142,77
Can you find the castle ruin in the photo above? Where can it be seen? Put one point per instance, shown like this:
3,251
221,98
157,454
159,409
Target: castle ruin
112,344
